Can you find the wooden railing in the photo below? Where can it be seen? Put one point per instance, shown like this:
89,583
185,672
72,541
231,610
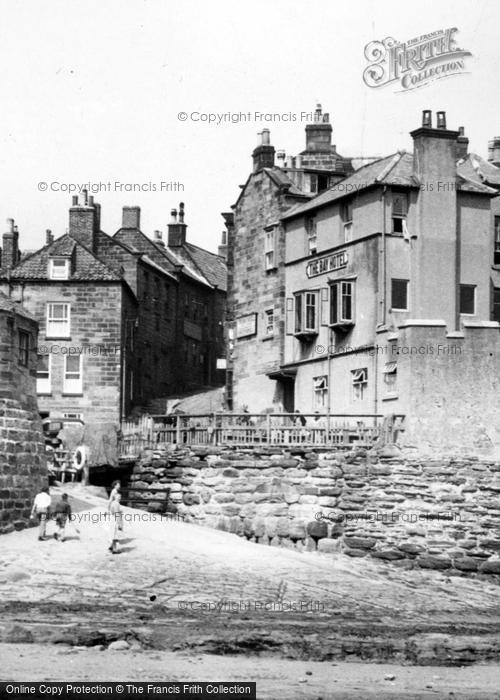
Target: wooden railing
247,429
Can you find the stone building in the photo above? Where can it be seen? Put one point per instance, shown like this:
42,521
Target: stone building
193,310
23,470
391,312
488,172
256,261
111,313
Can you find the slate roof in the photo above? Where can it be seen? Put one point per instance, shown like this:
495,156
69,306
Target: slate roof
86,267
197,263
480,170
395,170
10,305
138,242
212,266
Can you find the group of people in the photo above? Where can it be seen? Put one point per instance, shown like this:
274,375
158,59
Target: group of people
43,510
61,512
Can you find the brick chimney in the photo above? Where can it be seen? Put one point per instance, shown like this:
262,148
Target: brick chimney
222,251
435,150
462,144
84,220
319,133
434,165
263,155
131,217
494,151
10,253
177,228
49,238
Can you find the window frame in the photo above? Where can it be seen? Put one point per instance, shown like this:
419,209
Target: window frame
270,249
359,383
73,386
23,355
462,288
301,307
402,215
311,234
320,393
341,319
496,242
52,275
390,370
51,319
407,295
47,389
346,216
269,327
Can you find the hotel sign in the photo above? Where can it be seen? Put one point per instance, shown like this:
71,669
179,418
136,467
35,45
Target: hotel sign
246,325
330,263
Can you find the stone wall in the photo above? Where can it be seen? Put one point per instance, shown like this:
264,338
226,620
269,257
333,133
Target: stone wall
432,514
23,468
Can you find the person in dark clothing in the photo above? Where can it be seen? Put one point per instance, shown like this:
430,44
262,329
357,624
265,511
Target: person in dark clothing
299,419
62,512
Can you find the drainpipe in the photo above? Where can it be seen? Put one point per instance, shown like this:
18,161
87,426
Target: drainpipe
384,260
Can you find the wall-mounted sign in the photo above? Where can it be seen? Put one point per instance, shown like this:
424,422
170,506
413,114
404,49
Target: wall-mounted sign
327,264
246,325
192,330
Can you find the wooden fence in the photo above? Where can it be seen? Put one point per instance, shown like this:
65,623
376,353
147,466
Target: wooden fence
251,429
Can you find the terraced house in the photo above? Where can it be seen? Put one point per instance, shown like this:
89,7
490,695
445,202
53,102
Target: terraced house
112,317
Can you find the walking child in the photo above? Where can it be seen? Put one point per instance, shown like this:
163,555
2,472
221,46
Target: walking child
41,509
62,512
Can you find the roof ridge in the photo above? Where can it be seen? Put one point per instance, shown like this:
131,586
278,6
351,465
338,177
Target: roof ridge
198,247
195,265
390,166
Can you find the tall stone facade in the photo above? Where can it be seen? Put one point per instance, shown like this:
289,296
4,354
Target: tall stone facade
256,262
23,469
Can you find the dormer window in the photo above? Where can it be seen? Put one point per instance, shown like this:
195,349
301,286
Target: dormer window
59,268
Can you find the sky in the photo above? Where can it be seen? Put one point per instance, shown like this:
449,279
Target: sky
92,93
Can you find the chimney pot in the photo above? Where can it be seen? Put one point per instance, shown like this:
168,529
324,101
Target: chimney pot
85,197
441,120
181,212
11,225
91,200
49,238
427,118
74,200
173,216
265,137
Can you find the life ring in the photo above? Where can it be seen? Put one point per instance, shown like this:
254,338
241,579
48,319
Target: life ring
80,457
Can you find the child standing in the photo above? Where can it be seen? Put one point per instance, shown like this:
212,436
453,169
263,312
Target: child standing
63,513
116,522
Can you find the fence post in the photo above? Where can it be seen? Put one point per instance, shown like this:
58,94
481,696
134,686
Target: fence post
178,429
268,428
